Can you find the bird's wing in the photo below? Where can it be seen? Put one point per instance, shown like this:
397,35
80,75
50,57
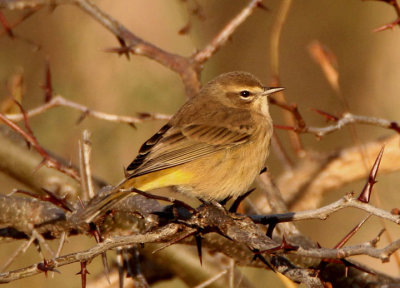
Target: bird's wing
173,146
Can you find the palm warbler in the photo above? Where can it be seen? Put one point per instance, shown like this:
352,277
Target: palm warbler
211,149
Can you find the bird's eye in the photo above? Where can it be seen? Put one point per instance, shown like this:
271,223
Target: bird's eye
245,93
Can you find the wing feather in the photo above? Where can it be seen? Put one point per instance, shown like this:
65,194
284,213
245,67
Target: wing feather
173,146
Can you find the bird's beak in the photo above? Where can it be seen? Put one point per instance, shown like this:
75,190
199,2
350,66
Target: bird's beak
271,90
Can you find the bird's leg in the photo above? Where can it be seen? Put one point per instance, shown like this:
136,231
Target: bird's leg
224,201
239,200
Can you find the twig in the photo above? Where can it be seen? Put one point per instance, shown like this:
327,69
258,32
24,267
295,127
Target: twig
327,61
275,37
165,233
362,249
231,273
61,101
42,241
347,119
20,250
61,244
275,81
324,212
388,26
281,153
8,27
47,159
223,36
212,279
86,172
185,68
391,25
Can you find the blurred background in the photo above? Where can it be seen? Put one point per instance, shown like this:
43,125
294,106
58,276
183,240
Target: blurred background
368,65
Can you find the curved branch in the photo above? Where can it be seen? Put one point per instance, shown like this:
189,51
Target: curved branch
304,186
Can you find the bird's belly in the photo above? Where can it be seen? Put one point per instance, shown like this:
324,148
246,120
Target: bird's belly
226,173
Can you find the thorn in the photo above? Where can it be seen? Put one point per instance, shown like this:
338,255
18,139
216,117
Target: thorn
328,116
199,250
283,246
351,233
26,122
6,26
185,29
176,240
239,200
105,265
50,197
395,126
95,231
133,125
82,117
125,50
367,190
123,45
26,193
257,255
40,165
349,264
287,246
54,199
120,266
262,6
47,266
83,273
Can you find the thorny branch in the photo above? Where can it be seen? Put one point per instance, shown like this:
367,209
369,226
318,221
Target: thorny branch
213,219
47,159
87,112
349,118
165,233
346,119
187,67
324,212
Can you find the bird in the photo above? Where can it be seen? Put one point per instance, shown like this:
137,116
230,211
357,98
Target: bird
211,149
